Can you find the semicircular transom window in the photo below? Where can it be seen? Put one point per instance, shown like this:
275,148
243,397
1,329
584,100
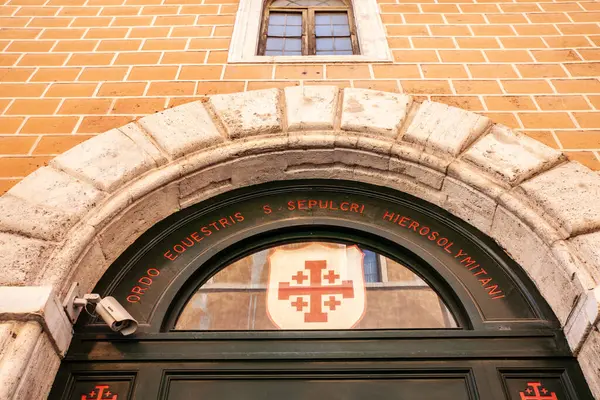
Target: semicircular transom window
315,285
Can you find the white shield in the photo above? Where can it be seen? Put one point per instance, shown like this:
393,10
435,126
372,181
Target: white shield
316,286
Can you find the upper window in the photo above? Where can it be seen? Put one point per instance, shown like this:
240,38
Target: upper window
308,27
315,285
306,31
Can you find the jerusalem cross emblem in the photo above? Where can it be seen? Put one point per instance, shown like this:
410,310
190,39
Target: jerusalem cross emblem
317,286
535,391
101,392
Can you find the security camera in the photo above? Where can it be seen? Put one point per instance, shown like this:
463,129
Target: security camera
107,308
115,316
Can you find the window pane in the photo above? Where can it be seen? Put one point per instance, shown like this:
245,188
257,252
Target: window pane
276,30
324,44
341,30
276,19
323,30
315,285
294,30
322,19
339,18
342,44
294,19
293,45
274,44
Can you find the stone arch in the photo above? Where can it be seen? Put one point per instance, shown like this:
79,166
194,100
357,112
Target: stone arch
70,220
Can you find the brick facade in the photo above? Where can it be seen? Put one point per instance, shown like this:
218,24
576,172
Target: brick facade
70,69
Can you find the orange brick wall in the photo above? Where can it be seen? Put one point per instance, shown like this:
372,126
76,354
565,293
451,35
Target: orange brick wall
73,68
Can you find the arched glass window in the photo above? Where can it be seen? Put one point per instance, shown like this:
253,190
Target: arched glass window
315,285
308,27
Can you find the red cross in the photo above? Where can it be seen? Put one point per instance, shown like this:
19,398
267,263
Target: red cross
331,276
535,388
299,277
99,393
332,303
299,304
316,290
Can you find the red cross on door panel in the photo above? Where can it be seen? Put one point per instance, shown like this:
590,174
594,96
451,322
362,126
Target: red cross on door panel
317,286
100,392
535,391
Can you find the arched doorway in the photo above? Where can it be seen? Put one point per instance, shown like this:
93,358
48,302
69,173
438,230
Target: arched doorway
252,294
70,221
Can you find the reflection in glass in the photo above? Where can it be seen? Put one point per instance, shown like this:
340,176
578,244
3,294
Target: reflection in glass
315,285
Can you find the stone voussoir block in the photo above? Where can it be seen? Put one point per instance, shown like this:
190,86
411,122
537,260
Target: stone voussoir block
206,177
310,107
88,270
52,188
469,204
567,195
509,157
445,130
587,249
255,169
472,176
545,228
141,138
388,179
361,158
136,219
418,172
261,145
556,285
22,258
183,129
107,161
365,110
571,264
407,151
299,159
583,319
311,140
379,145
22,217
249,113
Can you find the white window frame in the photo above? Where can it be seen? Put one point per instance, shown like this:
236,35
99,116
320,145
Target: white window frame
372,40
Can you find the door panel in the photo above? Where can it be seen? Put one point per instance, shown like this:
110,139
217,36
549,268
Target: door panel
555,379
316,388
